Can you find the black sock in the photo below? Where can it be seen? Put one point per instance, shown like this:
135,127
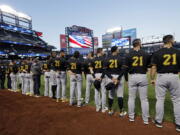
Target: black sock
20,86
120,103
110,103
54,91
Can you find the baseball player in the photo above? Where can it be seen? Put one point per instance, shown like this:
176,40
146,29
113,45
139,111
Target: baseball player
8,72
51,63
2,75
52,83
75,68
28,78
21,76
61,65
89,77
97,70
113,65
137,62
46,71
166,62
14,76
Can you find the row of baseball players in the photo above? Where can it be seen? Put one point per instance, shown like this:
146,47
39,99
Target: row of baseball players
108,75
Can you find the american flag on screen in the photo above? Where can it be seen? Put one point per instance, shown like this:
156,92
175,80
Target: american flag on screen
80,41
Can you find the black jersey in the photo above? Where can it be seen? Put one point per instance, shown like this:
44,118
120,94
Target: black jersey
52,63
167,60
14,68
9,69
137,61
75,65
98,64
87,64
2,70
60,64
27,67
21,67
45,66
113,65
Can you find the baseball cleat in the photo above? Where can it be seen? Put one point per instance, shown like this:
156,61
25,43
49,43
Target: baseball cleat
57,100
159,125
110,112
98,109
18,90
65,100
122,113
27,93
178,128
37,96
146,122
131,120
104,109
78,106
30,94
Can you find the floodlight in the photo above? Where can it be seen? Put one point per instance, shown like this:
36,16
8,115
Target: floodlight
8,9
115,29
22,15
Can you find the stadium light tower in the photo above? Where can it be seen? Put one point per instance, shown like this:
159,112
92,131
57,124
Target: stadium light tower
19,17
22,15
8,9
115,29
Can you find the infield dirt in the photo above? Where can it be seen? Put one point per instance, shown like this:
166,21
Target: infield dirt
24,115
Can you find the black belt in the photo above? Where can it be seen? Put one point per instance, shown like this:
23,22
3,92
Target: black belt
98,72
138,73
168,73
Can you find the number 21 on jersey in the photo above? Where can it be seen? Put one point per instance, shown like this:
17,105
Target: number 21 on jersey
73,65
57,63
137,61
98,64
113,63
169,59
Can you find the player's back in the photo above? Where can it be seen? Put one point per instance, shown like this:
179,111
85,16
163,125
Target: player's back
97,64
113,63
75,65
167,60
137,61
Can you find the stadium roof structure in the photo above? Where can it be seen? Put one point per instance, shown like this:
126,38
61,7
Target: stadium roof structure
8,9
18,38
16,30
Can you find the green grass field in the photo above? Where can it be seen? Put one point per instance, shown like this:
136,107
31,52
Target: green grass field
168,115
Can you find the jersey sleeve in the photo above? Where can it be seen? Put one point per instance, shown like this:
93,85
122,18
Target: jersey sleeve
127,61
178,60
148,58
154,59
124,69
82,61
68,64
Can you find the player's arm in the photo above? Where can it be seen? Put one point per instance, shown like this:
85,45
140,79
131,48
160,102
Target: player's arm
124,64
153,71
91,69
69,68
82,61
105,67
178,59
